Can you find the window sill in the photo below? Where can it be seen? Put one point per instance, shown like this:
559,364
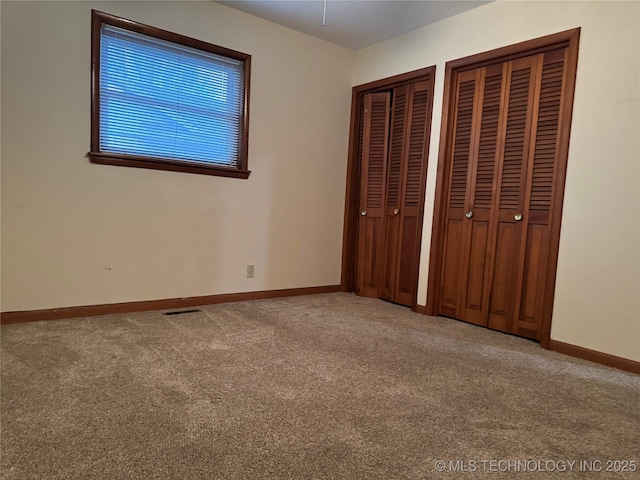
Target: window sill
163,164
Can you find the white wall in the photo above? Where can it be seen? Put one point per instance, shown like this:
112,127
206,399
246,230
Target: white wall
597,301
74,233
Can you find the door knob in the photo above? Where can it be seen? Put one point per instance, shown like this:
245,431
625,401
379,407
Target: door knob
363,213
469,214
396,211
517,217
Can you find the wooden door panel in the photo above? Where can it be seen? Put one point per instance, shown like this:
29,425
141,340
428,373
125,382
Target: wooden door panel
451,267
372,191
502,298
534,249
407,262
372,246
517,135
474,306
458,202
394,190
412,194
418,120
535,266
462,140
407,162
475,288
390,257
483,195
511,186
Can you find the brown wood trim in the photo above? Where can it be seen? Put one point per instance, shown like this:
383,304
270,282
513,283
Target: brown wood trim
595,356
421,309
350,217
350,225
397,80
568,38
96,156
243,160
95,79
163,164
511,52
131,25
579,352
129,307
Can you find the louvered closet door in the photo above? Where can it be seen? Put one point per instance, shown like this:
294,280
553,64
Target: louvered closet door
482,173
370,249
407,207
393,202
520,92
465,119
501,190
538,196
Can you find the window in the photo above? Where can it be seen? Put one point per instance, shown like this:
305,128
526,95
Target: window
164,101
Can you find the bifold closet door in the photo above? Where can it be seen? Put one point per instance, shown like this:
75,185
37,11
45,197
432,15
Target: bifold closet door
394,129
521,92
540,186
465,119
476,187
503,157
373,177
409,125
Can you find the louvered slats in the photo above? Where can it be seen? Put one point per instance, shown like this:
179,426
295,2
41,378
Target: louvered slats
416,148
510,190
546,136
461,145
377,137
488,141
395,157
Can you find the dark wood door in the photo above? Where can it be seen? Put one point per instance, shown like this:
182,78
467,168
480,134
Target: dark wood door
371,233
540,190
465,118
520,92
397,168
407,170
478,236
503,156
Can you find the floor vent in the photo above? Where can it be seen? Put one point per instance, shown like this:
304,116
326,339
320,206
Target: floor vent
180,312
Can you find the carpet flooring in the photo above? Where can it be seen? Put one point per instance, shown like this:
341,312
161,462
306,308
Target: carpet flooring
325,386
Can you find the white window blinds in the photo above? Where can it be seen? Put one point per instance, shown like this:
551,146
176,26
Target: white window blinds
163,100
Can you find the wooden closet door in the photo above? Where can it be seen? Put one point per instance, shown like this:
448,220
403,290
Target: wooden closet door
521,92
405,184
414,172
393,202
485,161
465,118
504,164
370,248
538,196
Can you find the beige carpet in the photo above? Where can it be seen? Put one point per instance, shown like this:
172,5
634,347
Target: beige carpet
325,386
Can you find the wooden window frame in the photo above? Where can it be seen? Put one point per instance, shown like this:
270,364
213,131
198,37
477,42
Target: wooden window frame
350,235
566,39
155,163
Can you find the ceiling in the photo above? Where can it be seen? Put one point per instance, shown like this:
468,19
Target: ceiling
354,23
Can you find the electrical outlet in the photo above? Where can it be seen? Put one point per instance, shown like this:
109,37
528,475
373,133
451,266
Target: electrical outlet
250,271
